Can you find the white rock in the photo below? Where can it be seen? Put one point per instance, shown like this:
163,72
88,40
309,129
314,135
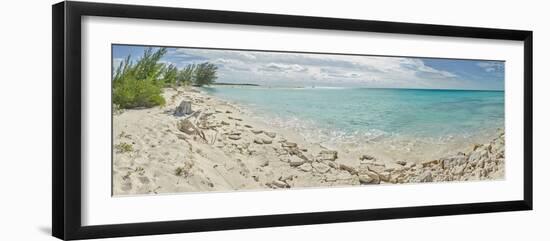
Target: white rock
320,167
385,176
369,178
257,131
306,167
270,134
295,161
425,177
280,184
258,141
327,155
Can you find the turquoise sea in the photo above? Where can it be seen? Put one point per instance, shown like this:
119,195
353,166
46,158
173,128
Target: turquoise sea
371,114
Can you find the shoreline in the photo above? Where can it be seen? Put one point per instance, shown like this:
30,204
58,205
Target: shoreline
155,152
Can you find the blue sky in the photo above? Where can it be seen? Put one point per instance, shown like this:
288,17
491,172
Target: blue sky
296,69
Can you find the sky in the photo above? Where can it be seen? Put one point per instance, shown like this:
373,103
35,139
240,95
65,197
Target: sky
303,70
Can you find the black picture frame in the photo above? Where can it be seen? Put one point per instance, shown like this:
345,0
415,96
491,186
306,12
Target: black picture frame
66,128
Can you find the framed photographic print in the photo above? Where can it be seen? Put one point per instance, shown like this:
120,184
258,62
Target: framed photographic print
169,120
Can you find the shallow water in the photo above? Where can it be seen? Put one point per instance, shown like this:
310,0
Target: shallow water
356,115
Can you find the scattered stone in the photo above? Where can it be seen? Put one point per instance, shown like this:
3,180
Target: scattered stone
402,163
367,157
225,123
256,178
333,164
349,169
475,146
264,163
289,144
144,180
306,167
425,177
280,184
258,141
270,134
266,141
369,178
320,167
248,126
295,161
371,166
429,163
478,155
228,112
257,131
328,155
385,176
234,137
459,170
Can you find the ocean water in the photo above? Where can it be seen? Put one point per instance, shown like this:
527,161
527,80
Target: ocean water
368,115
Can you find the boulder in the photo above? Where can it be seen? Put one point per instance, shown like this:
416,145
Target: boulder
266,141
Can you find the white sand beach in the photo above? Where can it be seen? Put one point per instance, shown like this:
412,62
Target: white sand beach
220,147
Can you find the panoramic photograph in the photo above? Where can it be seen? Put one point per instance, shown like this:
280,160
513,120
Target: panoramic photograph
193,120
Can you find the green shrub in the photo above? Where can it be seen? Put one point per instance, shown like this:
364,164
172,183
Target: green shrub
123,147
139,84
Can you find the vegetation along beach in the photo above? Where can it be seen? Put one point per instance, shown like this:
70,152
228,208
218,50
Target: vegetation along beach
195,120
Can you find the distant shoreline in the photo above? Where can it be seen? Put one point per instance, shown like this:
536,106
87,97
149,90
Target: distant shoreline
236,84
345,87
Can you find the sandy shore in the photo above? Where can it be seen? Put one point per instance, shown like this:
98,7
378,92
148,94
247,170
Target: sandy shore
226,149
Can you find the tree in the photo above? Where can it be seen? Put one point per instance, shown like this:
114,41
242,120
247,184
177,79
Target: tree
205,74
185,76
170,75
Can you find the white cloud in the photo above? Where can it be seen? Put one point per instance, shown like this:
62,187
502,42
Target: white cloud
491,66
275,68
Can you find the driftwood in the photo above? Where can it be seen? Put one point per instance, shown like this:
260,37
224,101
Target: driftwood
187,127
